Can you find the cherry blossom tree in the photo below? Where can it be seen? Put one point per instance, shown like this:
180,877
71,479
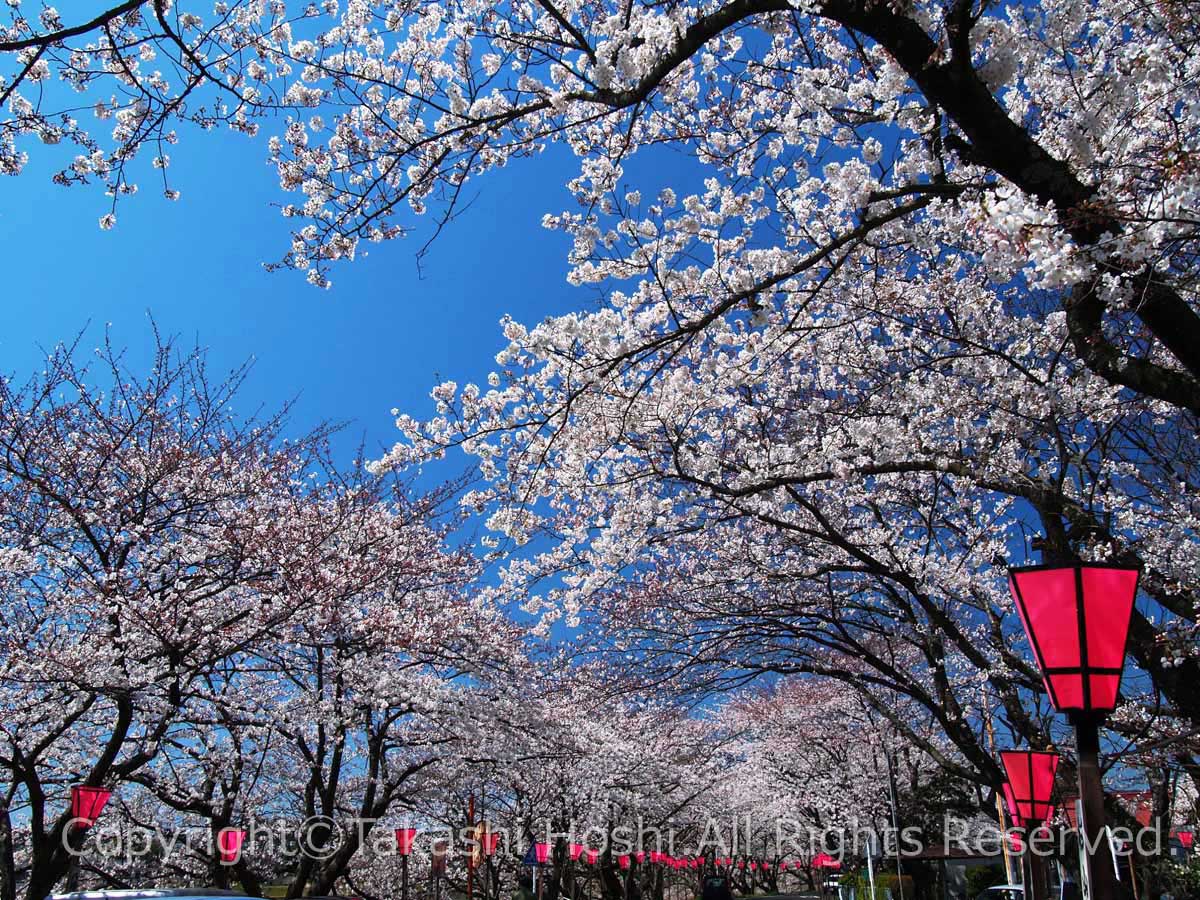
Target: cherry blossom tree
132,515
914,326
218,624
920,303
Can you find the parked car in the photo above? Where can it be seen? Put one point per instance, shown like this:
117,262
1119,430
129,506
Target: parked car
1002,892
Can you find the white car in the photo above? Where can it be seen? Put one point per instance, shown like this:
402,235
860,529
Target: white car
1002,892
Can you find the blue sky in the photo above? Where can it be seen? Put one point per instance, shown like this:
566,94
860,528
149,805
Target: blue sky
380,338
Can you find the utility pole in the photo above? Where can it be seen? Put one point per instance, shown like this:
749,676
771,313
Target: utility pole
472,850
991,736
895,819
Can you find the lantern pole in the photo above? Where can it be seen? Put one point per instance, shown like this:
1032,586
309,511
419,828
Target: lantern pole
1102,880
985,708
471,851
1086,666
1037,870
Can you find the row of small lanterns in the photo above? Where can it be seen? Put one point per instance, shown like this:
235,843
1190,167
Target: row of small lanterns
658,858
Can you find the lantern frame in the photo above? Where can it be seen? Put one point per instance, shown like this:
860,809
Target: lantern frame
405,838
488,842
1031,771
541,852
87,802
1082,687
230,842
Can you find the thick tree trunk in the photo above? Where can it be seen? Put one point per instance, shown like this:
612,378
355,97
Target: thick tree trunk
8,873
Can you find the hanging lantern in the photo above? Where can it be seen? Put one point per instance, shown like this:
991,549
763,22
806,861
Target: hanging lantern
1186,839
404,840
1031,778
592,856
541,853
1077,621
640,857
575,851
623,861
87,803
229,842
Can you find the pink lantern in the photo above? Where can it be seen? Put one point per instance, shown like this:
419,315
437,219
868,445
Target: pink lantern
1031,775
87,803
576,850
623,861
640,857
404,840
542,852
592,856
1186,839
1077,621
229,841
489,841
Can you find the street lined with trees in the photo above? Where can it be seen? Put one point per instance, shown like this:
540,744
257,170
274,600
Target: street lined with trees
892,298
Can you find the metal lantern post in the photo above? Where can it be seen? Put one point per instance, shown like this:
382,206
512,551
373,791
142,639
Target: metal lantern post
488,842
592,857
1077,620
574,851
404,844
437,866
541,852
